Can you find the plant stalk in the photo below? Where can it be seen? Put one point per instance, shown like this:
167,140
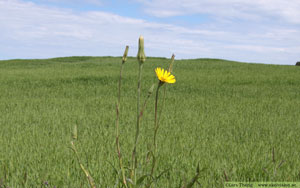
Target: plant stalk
87,175
118,117
156,126
134,153
165,89
141,59
157,119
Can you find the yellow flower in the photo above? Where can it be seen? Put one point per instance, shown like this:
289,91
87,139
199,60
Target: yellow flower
164,76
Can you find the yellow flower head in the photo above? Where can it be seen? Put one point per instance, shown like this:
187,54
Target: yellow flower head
164,76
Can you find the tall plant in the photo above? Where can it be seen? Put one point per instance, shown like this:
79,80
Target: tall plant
129,178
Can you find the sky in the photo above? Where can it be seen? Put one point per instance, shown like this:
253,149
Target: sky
257,31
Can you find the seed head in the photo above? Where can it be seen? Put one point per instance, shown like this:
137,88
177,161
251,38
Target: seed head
125,54
141,53
74,132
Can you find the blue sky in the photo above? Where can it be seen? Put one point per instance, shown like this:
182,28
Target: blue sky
261,31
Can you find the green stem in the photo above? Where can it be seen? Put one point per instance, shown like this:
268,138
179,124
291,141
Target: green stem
134,153
118,117
165,89
156,126
145,103
87,175
156,120
163,104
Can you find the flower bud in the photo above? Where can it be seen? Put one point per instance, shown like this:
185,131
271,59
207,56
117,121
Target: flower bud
172,62
150,91
74,132
141,54
125,54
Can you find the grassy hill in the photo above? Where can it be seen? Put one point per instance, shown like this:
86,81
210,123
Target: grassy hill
238,121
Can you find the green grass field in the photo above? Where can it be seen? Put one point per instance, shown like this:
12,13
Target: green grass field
226,116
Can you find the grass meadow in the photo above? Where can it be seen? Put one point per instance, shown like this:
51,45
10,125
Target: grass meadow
240,122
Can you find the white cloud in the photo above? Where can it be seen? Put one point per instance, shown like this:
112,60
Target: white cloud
32,25
227,9
29,30
94,2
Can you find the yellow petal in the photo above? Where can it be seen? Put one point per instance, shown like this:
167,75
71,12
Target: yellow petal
164,75
172,81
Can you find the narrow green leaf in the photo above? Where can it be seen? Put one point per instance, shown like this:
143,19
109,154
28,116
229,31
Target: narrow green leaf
141,179
163,172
